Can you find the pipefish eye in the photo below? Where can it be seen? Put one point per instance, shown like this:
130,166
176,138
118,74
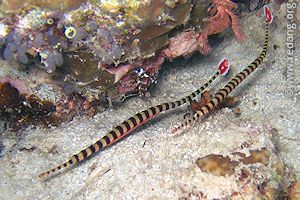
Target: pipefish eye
70,32
50,21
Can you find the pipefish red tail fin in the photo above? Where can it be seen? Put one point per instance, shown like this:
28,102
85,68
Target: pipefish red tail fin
133,122
268,15
234,82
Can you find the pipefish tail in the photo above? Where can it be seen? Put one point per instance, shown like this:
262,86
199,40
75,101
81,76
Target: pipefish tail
233,83
132,123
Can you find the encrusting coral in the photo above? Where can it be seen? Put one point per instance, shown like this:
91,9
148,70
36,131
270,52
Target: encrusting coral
221,166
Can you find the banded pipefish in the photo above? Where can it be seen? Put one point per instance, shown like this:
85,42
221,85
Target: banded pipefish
133,122
232,84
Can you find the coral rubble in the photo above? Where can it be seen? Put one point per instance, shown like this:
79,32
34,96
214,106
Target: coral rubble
220,165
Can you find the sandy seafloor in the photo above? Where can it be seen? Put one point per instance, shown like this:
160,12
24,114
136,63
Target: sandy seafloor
151,163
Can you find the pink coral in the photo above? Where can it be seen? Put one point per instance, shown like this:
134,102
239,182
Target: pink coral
19,84
120,71
218,24
182,45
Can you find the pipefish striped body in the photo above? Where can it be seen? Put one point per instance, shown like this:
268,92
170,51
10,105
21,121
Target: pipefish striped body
133,122
232,84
